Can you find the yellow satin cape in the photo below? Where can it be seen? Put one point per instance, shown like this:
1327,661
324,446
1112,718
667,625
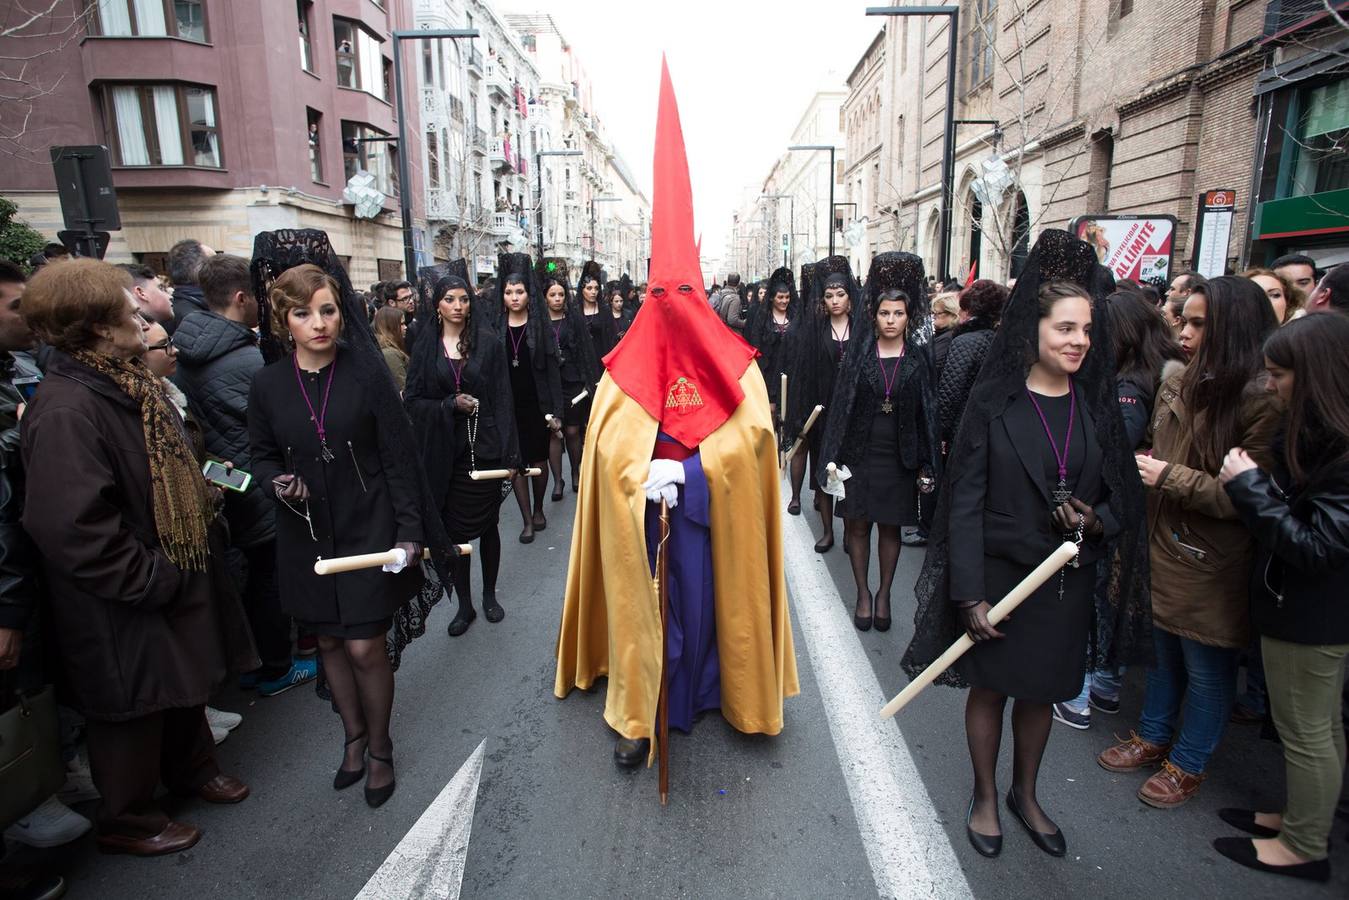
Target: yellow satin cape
610,618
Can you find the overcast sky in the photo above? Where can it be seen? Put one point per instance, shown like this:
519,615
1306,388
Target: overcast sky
743,71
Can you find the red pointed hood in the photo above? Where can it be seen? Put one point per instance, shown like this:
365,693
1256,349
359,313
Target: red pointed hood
678,359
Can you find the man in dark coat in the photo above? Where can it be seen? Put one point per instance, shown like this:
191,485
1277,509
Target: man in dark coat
218,356
185,259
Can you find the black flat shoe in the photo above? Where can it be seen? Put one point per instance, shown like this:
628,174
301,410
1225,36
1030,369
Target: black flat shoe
540,522
345,778
794,508
1242,852
861,623
558,491
629,753
1054,844
882,623
527,536
492,610
989,845
821,546
376,797
575,484
462,619
1244,820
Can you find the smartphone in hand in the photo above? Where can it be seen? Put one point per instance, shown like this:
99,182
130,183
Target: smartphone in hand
230,479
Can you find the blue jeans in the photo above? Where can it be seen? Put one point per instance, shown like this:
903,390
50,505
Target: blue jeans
1198,678
1101,682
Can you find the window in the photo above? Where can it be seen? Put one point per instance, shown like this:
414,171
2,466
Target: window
302,8
184,19
359,62
164,125
428,65
433,158
1323,129
368,149
979,42
315,144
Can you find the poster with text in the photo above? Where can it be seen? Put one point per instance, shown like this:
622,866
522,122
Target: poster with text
1135,247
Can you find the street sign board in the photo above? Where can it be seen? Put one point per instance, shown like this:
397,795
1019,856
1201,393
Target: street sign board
1213,232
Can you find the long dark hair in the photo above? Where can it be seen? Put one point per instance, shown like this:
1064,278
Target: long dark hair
467,337
1317,425
1237,319
1143,342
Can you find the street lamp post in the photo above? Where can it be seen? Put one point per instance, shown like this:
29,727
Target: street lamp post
948,153
404,183
538,172
791,215
832,150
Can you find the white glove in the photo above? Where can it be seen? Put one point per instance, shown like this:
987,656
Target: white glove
661,481
400,564
833,485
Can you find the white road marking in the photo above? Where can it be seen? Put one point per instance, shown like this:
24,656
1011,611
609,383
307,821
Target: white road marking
428,863
907,848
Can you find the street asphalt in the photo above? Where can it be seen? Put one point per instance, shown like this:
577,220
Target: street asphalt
748,816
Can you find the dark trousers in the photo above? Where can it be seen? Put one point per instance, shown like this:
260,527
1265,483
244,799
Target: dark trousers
262,603
129,760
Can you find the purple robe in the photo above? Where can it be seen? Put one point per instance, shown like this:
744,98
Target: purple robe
691,639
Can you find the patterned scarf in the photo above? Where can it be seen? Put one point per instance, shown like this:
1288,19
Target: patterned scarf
182,502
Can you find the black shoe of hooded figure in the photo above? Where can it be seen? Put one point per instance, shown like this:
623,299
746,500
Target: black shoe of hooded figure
630,753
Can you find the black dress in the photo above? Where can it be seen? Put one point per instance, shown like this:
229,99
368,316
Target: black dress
570,372
363,500
1043,656
891,490
530,424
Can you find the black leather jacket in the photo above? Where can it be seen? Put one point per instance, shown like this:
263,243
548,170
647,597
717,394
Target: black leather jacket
1297,591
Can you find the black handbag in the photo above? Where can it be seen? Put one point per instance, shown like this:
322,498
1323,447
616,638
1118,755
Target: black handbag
31,769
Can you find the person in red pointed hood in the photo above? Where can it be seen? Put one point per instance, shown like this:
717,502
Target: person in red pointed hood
681,414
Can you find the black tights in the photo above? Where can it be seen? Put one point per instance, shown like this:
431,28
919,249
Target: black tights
1030,733
540,485
798,470
361,681
571,438
489,556
857,533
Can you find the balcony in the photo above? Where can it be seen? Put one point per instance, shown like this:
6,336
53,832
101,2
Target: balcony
477,139
498,82
502,223
475,62
499,155
441,205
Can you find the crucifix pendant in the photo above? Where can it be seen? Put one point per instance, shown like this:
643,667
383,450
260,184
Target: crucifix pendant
1063,573
1061,493
324,452
515,363
887,407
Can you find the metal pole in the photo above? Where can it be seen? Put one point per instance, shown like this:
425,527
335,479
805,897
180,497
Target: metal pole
404,180
538,173
831,201
948,147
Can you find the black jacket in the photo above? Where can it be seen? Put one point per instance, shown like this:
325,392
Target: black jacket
362,501
966,355
18,563
217,359
1000,505
187,298
941,346
1303,555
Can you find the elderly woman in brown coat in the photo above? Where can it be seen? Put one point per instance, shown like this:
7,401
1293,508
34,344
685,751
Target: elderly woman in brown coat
121,515
1201,553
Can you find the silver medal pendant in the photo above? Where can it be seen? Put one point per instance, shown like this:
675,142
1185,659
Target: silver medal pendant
325,454
1061,493
515,363
887,407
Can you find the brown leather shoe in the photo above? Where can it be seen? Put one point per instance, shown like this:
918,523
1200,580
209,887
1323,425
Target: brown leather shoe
1131,755
175,837
1169,787
223,789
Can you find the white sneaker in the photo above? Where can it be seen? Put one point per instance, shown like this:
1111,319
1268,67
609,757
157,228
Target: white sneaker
219,718
50,825
219,734
79,786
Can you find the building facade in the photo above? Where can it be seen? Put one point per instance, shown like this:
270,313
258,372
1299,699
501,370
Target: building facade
1066,109
592,207
223,119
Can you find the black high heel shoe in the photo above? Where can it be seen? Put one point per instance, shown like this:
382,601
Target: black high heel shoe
1054,844
376,797
989,845
558,489
492,609
462,619
861,622
345,778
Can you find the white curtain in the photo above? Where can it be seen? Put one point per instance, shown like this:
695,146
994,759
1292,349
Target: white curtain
166,126
130,129
207,146
114,19
150,17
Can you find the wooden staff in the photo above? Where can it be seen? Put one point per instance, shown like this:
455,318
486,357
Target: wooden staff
663,702
489,474
373,560
1038,576
580,397
805,430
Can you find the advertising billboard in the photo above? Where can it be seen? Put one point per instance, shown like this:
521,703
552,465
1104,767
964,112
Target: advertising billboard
1135,247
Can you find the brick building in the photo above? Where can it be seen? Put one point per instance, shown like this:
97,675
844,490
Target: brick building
224,118
1103,107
